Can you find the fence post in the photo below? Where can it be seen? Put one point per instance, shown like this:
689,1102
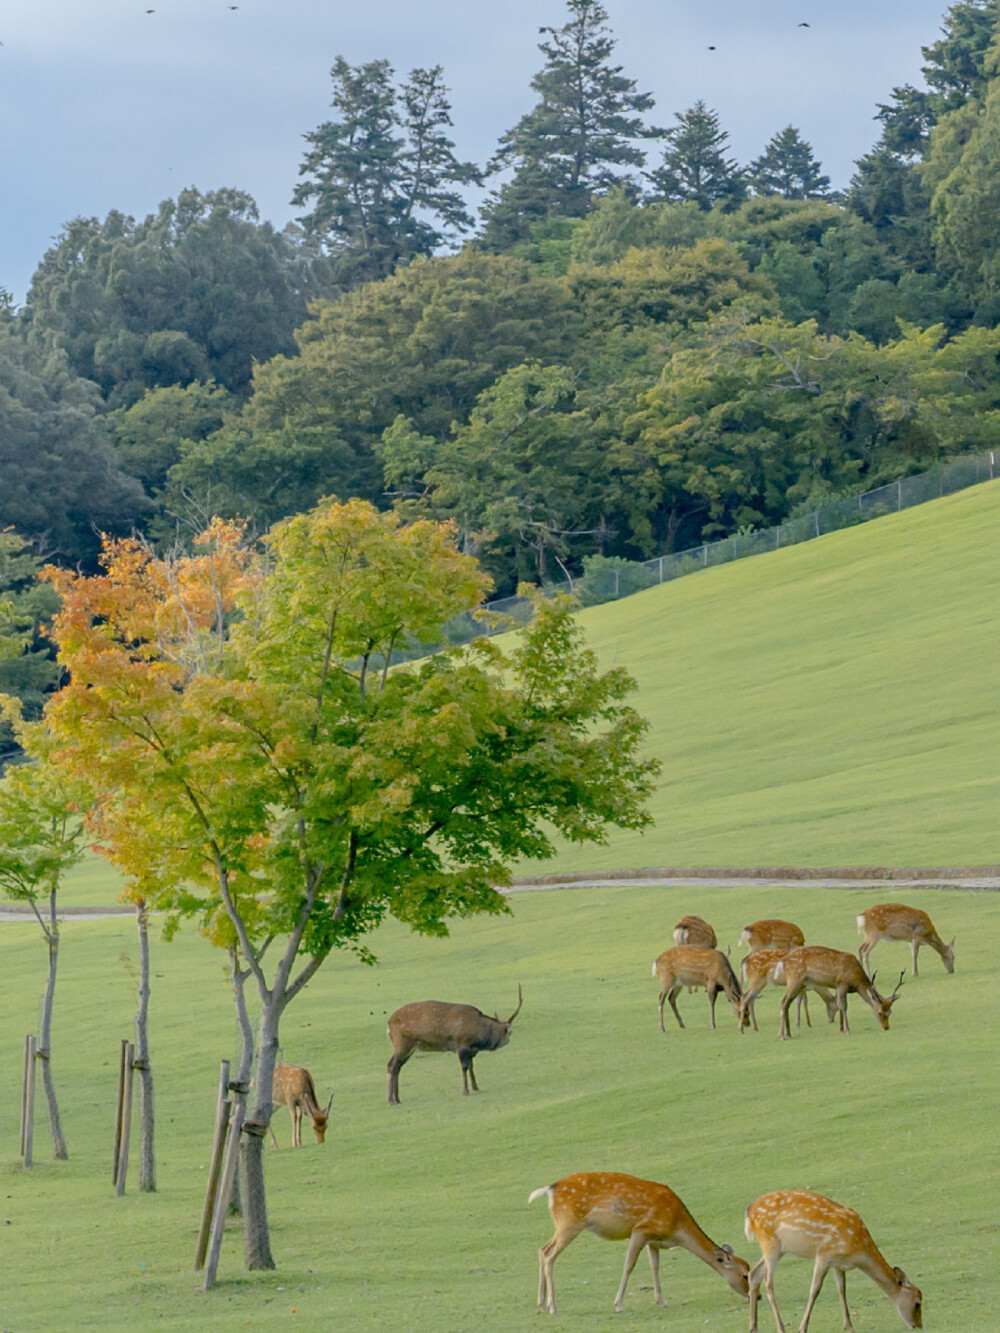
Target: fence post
777,537
661,568
222,1109
616,582
899,496
991,465
816,521
119,1103
126,1122
28,1101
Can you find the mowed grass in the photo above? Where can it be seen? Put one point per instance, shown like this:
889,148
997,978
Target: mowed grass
836,703
416,1217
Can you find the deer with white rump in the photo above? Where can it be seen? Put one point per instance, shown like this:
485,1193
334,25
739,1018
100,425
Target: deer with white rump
619,1207
813,965
693,930
760,969
432,1025
809,1226
293,1087
690,965
894,921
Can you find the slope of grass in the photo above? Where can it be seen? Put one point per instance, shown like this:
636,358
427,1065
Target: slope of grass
837,703
416,1218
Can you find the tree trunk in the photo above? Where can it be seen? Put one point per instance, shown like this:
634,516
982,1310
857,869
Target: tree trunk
147,1159
257,1238
45,1034
244,1067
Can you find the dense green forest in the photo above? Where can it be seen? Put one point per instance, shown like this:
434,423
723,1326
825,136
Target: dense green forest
637,345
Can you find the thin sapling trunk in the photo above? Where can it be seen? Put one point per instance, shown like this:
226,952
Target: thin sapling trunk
147,1158
51,931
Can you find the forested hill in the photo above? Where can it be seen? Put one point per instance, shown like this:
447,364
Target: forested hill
640,343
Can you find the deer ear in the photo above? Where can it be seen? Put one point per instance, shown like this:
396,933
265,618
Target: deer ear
899,1275
727,1249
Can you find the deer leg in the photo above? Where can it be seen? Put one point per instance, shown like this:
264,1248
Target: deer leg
465,1060
547,1256
756,1273
663,996
712,993
841,1280
784,1029
636,1241
672,997
865,953
819,1273
396,1063
296,1125
654,1265
845,1027
270,1130
800,1003
914,949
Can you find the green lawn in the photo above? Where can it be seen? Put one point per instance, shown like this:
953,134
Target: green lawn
836,703
416,1218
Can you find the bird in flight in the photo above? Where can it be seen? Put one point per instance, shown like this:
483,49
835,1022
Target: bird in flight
804,25
710,48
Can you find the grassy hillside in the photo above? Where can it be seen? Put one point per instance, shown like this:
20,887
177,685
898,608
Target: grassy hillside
835,703
416,1218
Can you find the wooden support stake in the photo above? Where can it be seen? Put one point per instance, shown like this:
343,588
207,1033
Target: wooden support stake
28,1101
129,1056
222,1108
119,1101
225,1188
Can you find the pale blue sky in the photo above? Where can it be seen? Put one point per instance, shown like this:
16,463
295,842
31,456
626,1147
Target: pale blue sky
105,106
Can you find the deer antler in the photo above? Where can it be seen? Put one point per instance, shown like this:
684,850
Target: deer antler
898,984
519,1003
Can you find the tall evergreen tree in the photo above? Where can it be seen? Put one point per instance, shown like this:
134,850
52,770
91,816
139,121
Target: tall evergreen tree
382,176
695,165
579,138
787,167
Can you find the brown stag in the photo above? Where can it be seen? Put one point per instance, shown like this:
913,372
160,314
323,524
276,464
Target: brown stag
618,1207
840,972
759,972
432,1025
293,1087
691,965
693,930
894,921
809,1226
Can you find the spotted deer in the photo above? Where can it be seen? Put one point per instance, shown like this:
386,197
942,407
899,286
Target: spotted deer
619,1207
759,972
433,1025
809,1226
894,921
293,1087
770,934
691,965
814,965
693,930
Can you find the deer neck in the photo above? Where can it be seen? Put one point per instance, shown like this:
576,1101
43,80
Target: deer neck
870,1261
689,1235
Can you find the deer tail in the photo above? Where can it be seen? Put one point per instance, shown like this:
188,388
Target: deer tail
861,925
654,968
537,1194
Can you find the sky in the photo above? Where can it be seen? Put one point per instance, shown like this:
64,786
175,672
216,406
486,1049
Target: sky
107,106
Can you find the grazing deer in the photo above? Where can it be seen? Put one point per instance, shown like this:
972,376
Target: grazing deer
692,930
432,1025
809,1226
840,972
770,934
618,1207
691,965
894,921
293,1087
759,972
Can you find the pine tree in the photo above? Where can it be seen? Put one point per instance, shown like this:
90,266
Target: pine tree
695,165
788,168
382,175
576,141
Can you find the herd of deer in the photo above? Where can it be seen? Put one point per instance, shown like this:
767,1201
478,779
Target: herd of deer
647,1214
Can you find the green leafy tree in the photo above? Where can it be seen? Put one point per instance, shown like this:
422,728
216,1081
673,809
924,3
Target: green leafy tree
151,434
257,763
577,142
199,290
695,165
521,477
788,167
382,177
41,837
28,669
423,343
59,478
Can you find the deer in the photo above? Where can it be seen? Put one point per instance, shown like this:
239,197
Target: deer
432,1025
770,934
810,1226
293,1087
692,930
818,966
692,965
894,921
619,1207
759,972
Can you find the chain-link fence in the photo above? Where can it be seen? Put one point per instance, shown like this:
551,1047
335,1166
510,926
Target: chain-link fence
620,578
